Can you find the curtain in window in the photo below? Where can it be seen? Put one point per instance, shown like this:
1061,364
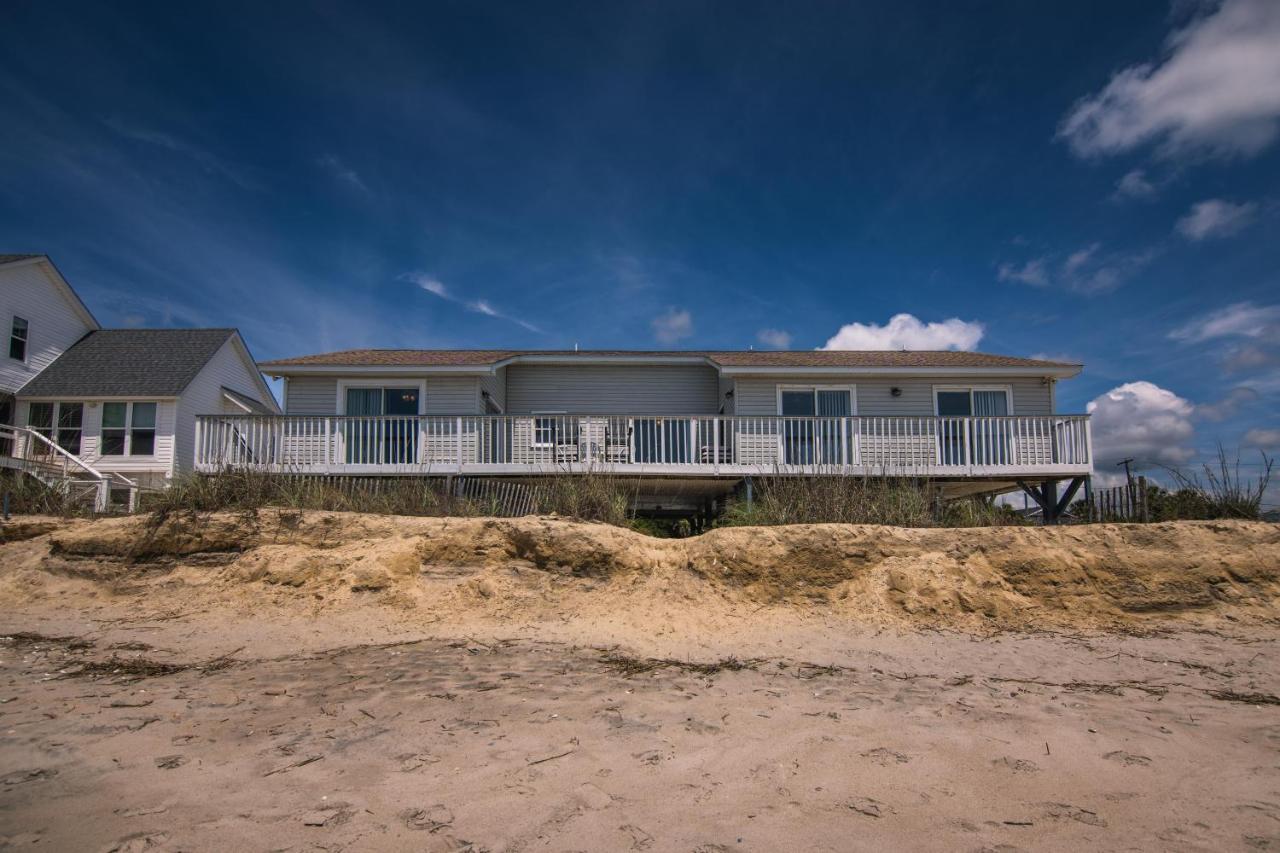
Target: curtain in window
363,436
990,403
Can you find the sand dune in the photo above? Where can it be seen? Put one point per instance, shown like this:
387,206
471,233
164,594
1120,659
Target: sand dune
330,681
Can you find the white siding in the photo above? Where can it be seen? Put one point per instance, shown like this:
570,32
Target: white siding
756,395
27,291
204,397
613,389
446,395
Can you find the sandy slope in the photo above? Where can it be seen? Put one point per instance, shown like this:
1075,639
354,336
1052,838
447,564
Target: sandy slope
330,681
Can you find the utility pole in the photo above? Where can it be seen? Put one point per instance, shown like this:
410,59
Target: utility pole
1128,477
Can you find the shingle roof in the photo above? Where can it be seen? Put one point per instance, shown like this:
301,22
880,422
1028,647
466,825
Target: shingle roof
8,259
734,358
129,363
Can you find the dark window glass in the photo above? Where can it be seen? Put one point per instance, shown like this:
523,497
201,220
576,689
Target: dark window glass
114,417
70,423
142,435
18,339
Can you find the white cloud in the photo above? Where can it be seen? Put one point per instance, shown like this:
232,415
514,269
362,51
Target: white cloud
1264,438
1143,421
904,331
775,338
343,173
1135,185
1216,90
436,287
1250,357
1033,272
1216,217
1087,270
1228,405
672,326
1240,319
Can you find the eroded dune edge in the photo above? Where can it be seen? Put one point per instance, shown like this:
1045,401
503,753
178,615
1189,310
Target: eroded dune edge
1095,576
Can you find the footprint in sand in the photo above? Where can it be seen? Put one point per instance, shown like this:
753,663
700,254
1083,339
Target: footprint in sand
1017,765
1128,759
884,757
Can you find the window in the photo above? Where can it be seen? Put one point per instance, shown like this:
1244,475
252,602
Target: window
544,431
128,429
979,401
62,423
70,426
18,339
811,430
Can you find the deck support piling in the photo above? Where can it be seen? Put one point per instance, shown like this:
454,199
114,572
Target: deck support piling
1052,508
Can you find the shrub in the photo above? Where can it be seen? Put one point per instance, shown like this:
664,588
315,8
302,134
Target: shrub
1222,493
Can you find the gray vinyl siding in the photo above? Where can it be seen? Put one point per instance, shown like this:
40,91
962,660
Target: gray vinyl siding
453,395
446,395
204,397
613,389
311,395
759,395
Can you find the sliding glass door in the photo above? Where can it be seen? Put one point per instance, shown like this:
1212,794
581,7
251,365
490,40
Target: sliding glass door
812,425
988,439
383,427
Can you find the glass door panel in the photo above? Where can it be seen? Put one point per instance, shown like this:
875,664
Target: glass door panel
990,438
798,410
832,403
400,427
951,406
361,434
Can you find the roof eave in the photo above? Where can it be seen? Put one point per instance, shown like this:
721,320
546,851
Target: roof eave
1055,372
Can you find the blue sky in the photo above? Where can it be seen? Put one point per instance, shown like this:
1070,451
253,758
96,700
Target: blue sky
1097,181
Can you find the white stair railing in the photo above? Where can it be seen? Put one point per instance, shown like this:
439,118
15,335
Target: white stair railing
52,464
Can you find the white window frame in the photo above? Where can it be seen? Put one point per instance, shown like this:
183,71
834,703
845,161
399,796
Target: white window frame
26,339
128,430
56,417
1007,389
533,435
383,385
815,388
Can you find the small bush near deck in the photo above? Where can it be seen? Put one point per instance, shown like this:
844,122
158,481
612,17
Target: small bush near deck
1218,491
853,500
28,496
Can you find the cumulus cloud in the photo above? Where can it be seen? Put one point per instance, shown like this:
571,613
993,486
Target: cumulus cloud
1088,270
1263,438
774,338
1143,421
1216,217
672,326
436,287
1215,90
904,331
1238,320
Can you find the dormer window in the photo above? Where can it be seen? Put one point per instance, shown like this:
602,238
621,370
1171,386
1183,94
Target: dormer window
18,339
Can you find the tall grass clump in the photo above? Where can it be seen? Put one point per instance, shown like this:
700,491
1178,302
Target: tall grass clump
246,491
1218,491
898,502
29,496
590,497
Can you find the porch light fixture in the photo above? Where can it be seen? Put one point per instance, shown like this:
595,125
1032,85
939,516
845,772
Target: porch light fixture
895,392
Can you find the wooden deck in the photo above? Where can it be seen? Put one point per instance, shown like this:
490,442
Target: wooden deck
648,445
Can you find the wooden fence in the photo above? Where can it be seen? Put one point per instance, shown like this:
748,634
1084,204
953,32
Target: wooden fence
1126,503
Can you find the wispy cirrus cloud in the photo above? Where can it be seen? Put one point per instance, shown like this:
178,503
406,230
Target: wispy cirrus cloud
672,326
1088,270
1216,217
1135,185
208,161
1216,90
1238,320
343,173
774,338
437,288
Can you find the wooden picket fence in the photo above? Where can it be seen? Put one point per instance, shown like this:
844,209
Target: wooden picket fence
1126,503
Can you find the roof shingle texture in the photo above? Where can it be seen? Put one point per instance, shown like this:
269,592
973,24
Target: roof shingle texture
8,259
737,358
129,363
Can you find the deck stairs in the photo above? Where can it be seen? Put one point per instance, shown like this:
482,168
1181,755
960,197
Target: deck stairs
34,455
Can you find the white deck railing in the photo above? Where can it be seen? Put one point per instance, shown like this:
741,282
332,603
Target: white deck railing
723,445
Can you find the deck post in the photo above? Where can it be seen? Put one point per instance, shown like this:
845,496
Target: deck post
750,492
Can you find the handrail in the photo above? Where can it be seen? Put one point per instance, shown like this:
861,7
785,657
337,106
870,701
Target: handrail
639,415
17,431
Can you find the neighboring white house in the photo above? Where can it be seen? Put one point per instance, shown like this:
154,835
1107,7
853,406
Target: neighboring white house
41,317
118,401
